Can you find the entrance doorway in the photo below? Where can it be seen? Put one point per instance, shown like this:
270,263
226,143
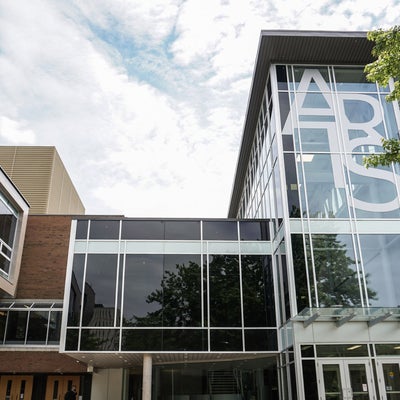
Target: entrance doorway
345,380
389,382
58,385
16,387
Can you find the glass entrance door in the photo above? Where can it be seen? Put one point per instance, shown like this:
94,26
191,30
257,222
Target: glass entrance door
13,387
389,373
58,385
345,380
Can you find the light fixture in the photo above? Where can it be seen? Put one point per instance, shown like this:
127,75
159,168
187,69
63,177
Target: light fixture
356,346
304,157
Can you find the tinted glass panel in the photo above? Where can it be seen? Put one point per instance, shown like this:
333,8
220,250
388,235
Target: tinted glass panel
224,290
300,272
37,329
81,229
99,301
3,319
352,79
307,350
260,340
392,349
335,269
54,327
292,186
381,254
342,350
226,340
106,229
181,295
254,230
281,77
16,327
71,340
144,230
182,230
7,226
141,339
310,380
254,300
99,340
220,230
184,340
143,290
269,291
76,290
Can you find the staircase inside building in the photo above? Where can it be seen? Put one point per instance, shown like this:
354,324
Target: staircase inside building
224,384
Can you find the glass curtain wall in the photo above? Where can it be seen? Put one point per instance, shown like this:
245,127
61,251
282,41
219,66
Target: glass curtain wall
331,117
172,286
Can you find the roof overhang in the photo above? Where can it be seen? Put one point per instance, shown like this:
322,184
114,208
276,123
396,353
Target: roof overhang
293,47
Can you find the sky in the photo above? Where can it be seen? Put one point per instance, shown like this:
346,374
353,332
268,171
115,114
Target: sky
145,99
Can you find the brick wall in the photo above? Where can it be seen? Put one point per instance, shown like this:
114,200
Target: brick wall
44,258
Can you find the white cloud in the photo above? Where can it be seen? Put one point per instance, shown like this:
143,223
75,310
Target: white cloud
14,132
148,121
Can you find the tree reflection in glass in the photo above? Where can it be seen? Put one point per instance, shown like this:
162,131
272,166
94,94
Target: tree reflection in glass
337,277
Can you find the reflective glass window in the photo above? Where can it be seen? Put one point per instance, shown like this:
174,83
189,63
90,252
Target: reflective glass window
71,339
181,290
100,288
143,294
335,270
375,197
141,340
220,230
315,139
3,319
342,350
81,229
99,340
380,255
37,327
104,229
226,340
281,77
8,223
312,79
224,290
54,327
310,380
142,230
182,230
16,327
75,294
251,230
4,264
392,349
254,296
326,195
185,340
261,340
300,273
352,80
292,185
284,110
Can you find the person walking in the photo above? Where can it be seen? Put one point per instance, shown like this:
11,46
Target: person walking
71,394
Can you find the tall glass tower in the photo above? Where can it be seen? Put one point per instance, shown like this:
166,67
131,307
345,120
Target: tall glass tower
312,116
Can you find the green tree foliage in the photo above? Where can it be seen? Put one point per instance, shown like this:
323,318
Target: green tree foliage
386,66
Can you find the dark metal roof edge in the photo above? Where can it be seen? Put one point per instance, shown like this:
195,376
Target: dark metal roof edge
267,53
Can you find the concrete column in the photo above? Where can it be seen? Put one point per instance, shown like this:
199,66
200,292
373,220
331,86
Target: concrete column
146,384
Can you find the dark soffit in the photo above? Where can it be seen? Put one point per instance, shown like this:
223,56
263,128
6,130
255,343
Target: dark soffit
299,47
